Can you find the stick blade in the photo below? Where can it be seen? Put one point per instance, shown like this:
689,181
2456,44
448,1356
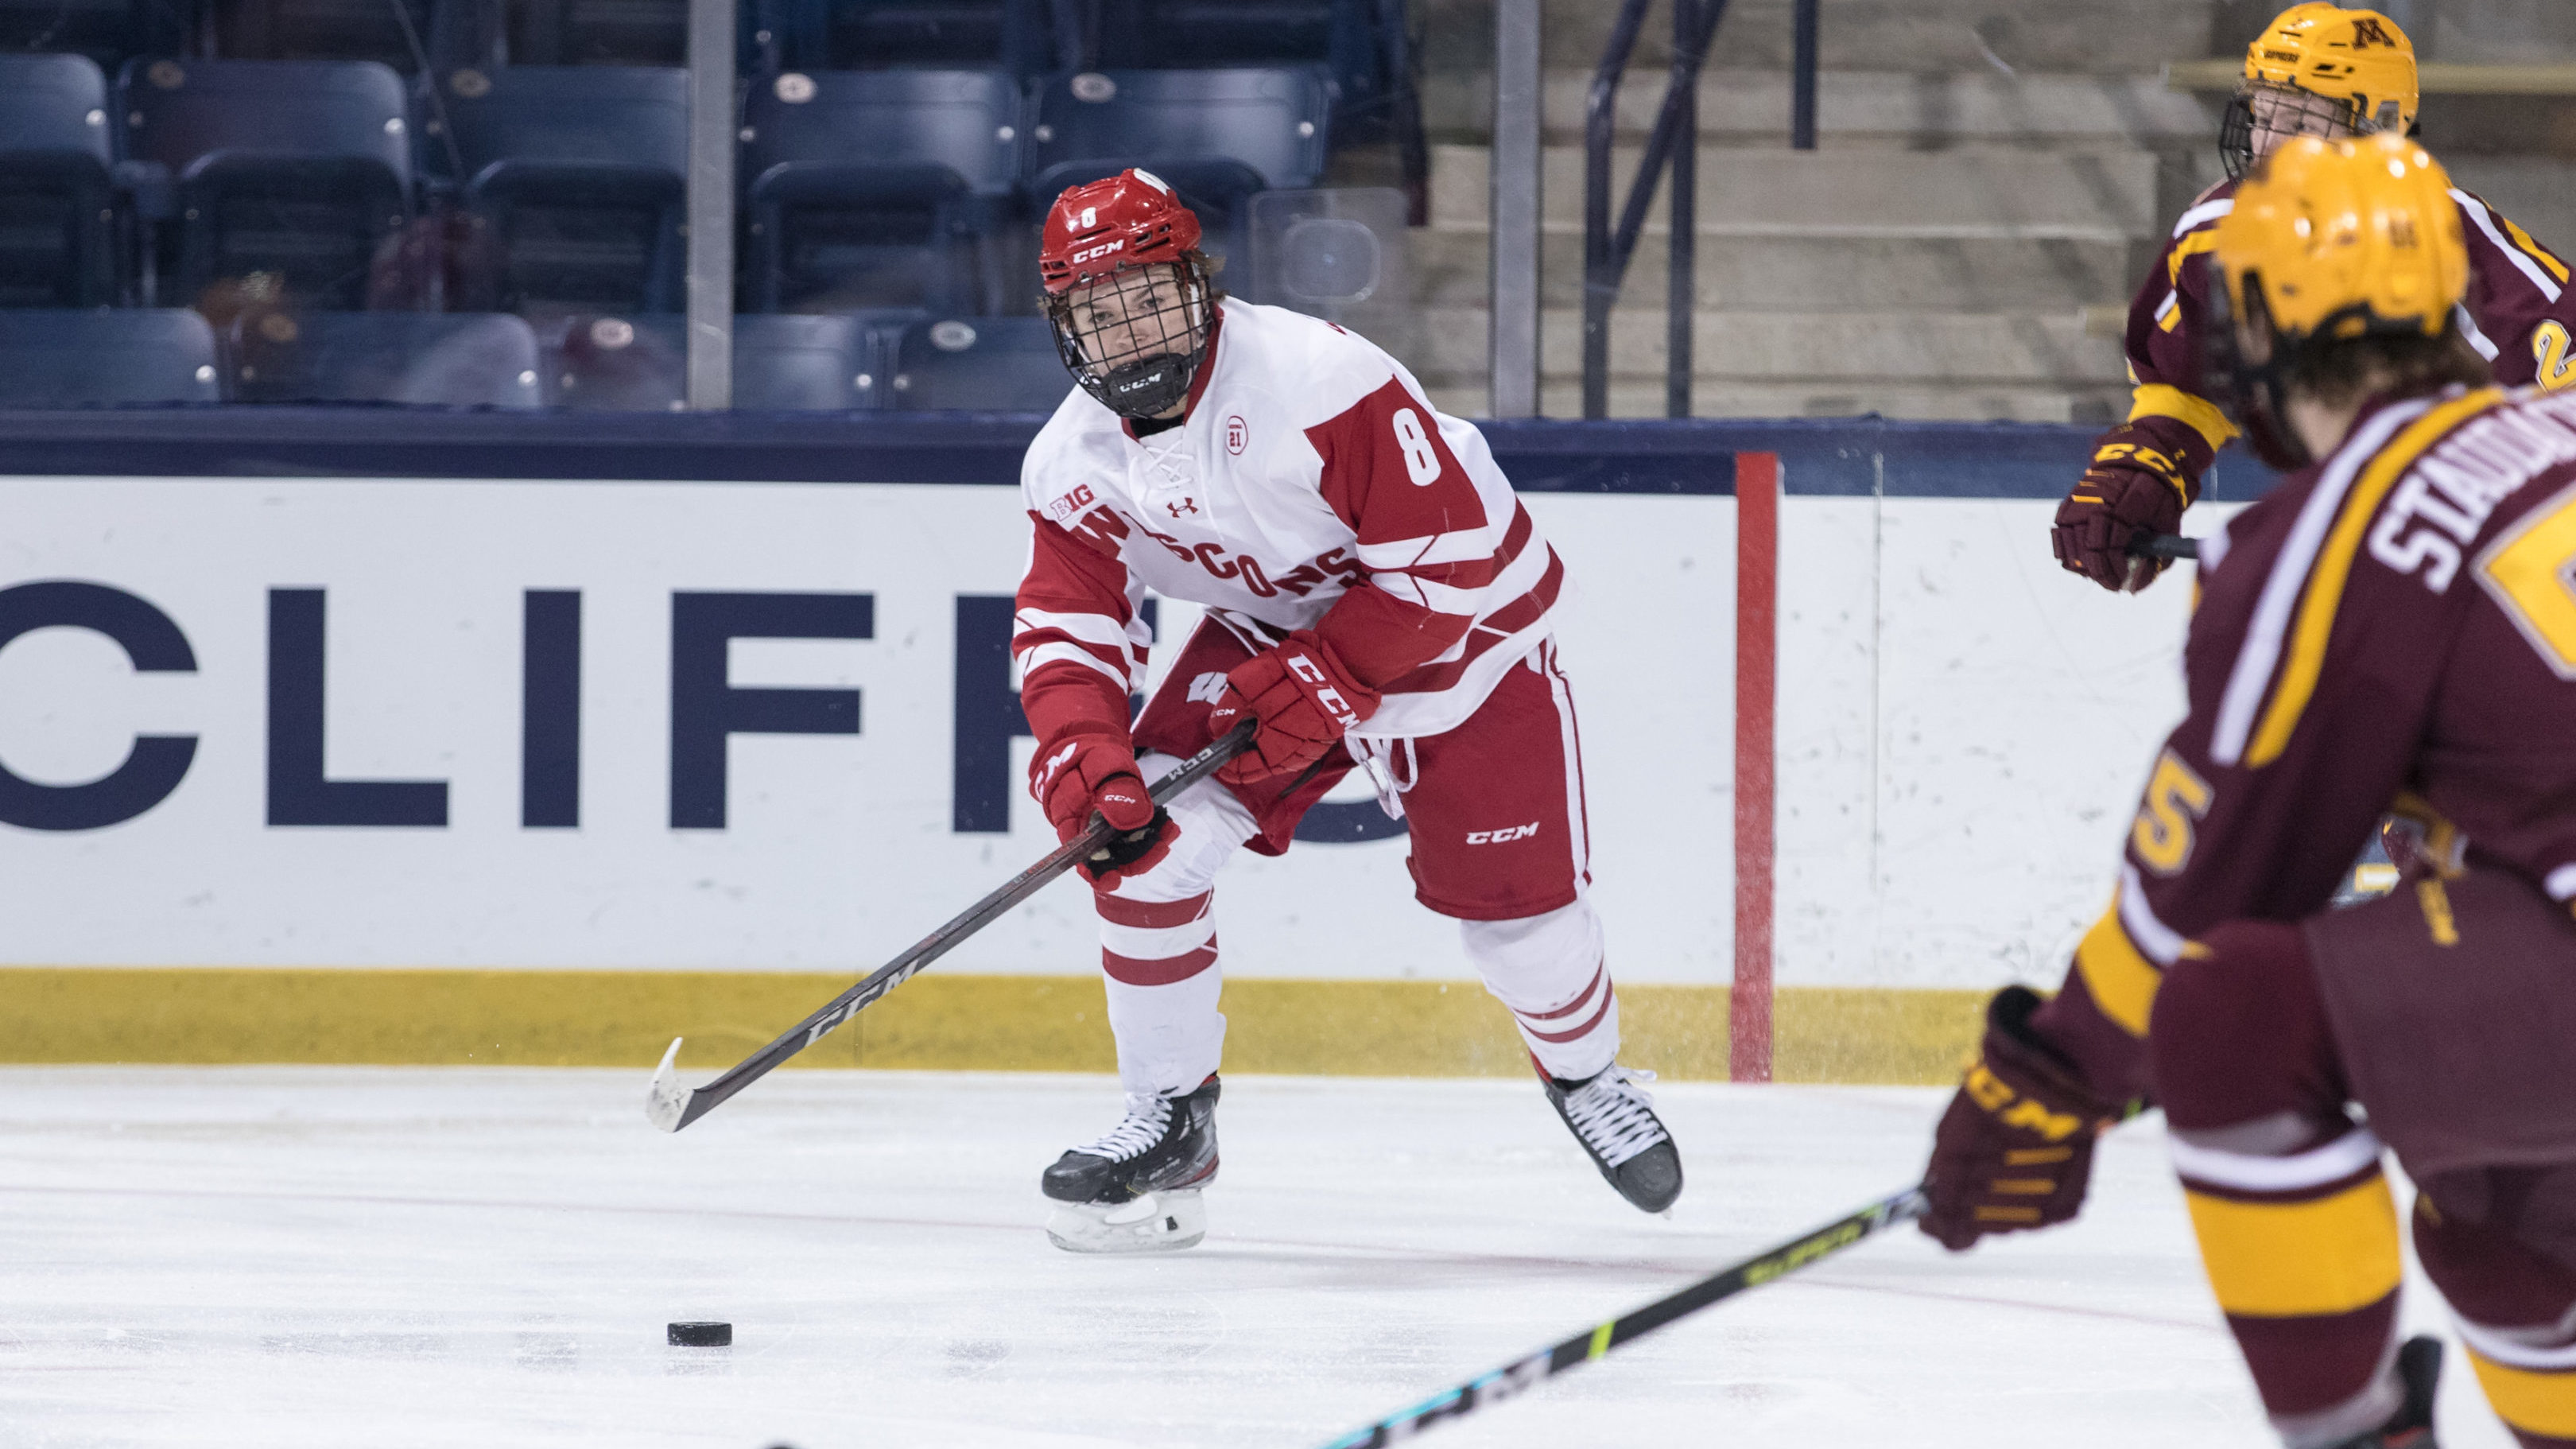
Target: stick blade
667,1105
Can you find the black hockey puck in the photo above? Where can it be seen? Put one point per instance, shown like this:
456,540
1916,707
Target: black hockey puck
702,1335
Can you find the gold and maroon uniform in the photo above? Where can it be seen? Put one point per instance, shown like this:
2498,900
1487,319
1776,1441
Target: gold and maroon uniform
2392,628
2519,314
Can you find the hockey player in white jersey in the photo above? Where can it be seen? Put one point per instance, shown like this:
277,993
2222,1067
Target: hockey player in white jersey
1376,598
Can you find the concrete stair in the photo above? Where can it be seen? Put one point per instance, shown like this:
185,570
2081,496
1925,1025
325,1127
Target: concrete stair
1919,273
1992,178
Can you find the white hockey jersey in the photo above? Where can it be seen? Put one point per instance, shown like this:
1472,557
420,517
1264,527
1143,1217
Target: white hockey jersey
1311,487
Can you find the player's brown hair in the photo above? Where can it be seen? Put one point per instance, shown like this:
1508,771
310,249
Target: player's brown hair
2339,374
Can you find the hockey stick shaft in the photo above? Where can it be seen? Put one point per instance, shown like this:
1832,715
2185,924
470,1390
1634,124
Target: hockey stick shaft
2163,545
672,1106
1595,1342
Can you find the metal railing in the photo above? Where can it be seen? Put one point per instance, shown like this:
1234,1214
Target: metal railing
1672,145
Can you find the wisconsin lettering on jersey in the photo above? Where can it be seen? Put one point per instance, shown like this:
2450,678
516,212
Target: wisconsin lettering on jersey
1330,565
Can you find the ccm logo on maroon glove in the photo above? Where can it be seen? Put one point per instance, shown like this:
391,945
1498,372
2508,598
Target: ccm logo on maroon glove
2013,1109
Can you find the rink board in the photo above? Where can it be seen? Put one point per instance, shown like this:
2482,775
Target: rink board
1961,732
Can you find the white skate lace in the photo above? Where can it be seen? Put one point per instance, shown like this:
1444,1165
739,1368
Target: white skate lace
1614,1116
1147,1119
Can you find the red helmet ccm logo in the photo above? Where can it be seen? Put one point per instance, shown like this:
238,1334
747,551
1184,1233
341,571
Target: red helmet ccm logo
1130,219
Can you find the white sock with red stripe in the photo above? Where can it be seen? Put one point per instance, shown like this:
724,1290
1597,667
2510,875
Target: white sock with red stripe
1551,972
1158,948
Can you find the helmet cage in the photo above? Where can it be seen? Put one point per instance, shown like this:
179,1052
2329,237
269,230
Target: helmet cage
2294,111
1137,364
2254,396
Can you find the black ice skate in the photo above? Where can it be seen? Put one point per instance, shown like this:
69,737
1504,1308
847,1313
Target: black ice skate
1137,1189
1615,1121
2419,1369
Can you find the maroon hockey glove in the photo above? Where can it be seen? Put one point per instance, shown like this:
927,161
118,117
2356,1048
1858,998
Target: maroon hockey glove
2016,1147
1304,699
1088,772
2132,487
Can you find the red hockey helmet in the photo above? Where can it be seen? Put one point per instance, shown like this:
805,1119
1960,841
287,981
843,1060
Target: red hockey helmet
1127,291
1130,219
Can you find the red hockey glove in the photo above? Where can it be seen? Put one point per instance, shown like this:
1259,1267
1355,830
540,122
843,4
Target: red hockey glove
2132,487
2016,1147
1303,698
1088,772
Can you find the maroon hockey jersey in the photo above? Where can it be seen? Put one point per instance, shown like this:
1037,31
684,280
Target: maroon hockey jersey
2518,315
2393,628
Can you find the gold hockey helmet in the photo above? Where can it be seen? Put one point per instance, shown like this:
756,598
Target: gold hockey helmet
2338,239
2328,241
2320,70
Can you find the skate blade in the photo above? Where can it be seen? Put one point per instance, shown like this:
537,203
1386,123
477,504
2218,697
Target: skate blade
1158,1222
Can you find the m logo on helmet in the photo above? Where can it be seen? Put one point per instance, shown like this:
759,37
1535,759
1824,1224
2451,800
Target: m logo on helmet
2367,32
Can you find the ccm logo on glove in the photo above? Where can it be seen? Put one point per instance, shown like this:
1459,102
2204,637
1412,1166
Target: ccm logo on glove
1327,697
1303,698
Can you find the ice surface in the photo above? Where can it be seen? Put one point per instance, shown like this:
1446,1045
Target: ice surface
383,1258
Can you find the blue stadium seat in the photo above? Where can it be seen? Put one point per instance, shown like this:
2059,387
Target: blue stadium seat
806,364
298,169
986,365
57,211
455,359
879,188
1216,135
320,30
582,174
107,31
52,359
615,364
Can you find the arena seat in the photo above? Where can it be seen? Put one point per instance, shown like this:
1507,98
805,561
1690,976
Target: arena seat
805,364
615,364
57,210
1216,135
297,169
96,357
582,174
986,364
879,188
455,359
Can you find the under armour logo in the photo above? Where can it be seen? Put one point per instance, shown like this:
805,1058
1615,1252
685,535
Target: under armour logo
1186,505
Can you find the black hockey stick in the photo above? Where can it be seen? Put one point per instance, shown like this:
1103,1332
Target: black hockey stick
672,1106
2163,545
1592,1343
